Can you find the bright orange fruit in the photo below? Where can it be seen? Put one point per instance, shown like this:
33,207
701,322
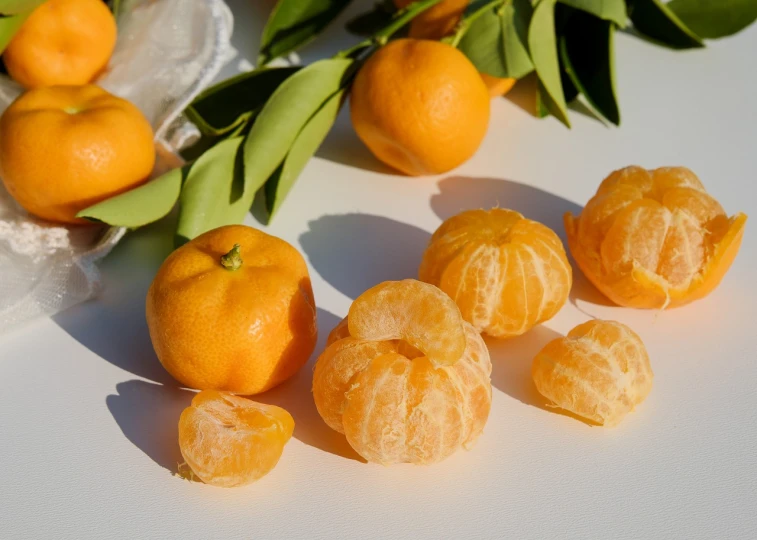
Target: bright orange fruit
63,42
420,106
229,441
599,371
506,273
64,148
404,377
654,239
232,310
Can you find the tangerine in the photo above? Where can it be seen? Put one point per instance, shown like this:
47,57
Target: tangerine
654,239
599,371
229,441
63,42
420,106
506,273
404,377
232,310
65,148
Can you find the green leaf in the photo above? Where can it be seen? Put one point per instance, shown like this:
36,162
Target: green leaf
12,7
294,23
496,40
303,148
715,18
367,24
543,46
140,206
586,50
655,20
223,107
213,194
282,119
8,28
609,10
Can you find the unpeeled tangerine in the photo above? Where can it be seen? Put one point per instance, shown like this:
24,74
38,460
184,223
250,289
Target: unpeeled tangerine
599,371
230,441
391,400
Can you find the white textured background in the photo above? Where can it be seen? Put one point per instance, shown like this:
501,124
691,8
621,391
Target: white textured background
88,416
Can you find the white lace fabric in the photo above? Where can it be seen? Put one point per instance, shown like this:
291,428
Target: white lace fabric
167,52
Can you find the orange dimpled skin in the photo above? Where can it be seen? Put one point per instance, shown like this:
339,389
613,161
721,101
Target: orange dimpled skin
506,273
654,239
63,42
65,148
436,22
420,106
600,371
230,441
241,325
391,399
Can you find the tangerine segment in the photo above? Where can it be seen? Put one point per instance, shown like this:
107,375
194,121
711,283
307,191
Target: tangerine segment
654,239
412,311
600,371
506,273
396,409
230,441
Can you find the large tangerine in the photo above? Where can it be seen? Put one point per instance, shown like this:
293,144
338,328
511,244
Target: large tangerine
506,273
654,239
390,399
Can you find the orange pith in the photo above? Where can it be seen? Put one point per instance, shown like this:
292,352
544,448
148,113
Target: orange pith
242,331
600,371
420,106
391,399
654,239
230,441
506,273
64,148
63,42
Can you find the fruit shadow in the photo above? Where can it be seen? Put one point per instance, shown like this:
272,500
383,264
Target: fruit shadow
148,415
511,368
458,193
296,396
354,252
113,326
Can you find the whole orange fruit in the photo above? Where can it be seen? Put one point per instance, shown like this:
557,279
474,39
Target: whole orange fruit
62,42
64,148
654,239
404,377
440,21
420,106
232,310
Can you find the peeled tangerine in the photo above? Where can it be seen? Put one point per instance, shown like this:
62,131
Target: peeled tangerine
654,239
230,441
506,273
599,371
403,376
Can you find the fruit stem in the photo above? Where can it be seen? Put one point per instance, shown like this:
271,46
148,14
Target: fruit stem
232,260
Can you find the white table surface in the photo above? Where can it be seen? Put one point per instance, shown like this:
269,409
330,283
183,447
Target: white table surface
88,416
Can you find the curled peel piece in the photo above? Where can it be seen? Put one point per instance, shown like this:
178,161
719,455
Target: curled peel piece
413,311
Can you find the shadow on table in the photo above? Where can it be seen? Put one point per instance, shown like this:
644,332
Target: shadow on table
148,413
113,325
354,252
511,368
